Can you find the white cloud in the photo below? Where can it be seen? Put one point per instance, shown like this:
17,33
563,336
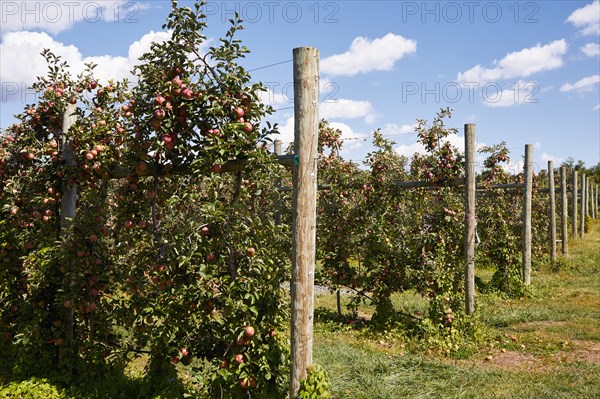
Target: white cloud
514,168
517,94
519,64
365,55
454,139
350,136
286,131
587,19
410,149
346,109
583,85
394,129
59,15
274,98
547,157
597,107
591,49
24,48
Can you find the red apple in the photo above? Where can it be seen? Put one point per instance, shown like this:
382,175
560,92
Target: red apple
224,364
239,358
251,252
239,112
248,127
159,113
159,100
216,168
187,94
249,331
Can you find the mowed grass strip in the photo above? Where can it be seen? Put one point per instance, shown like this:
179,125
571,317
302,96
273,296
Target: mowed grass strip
546,346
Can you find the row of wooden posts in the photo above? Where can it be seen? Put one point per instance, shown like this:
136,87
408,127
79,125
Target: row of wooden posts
306,133
304,187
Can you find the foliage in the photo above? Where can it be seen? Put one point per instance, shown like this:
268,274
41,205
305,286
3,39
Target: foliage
176,259
316,385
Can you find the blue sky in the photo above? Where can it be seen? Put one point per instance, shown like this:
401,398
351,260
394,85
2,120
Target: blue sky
523,71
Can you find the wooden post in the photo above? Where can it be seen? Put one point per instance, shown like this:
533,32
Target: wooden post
588,188
574,225
552,211
564,208
67,216
306,133
527,194
582,206
470,218
278,151
596,201
593,200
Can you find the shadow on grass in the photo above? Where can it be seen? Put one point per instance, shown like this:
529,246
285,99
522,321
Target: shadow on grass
331,319
88,382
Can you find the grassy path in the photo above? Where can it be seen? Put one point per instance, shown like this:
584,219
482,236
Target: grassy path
544,347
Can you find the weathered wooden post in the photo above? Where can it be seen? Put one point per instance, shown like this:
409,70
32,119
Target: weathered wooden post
552,211
306,133
582,206
470,218
574,225
527,196
278,151
596,201
67,214
564,208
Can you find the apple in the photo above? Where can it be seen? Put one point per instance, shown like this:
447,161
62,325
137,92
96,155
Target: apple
187,94
216,168
159,113
159,100
248,127
239,358
204,231
129,223
224,364
89,156
249,331
252,381
175,359
93,238
251,252
239,112
178,81
211,257
184,352
244,383
155,123
67,304
272,333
